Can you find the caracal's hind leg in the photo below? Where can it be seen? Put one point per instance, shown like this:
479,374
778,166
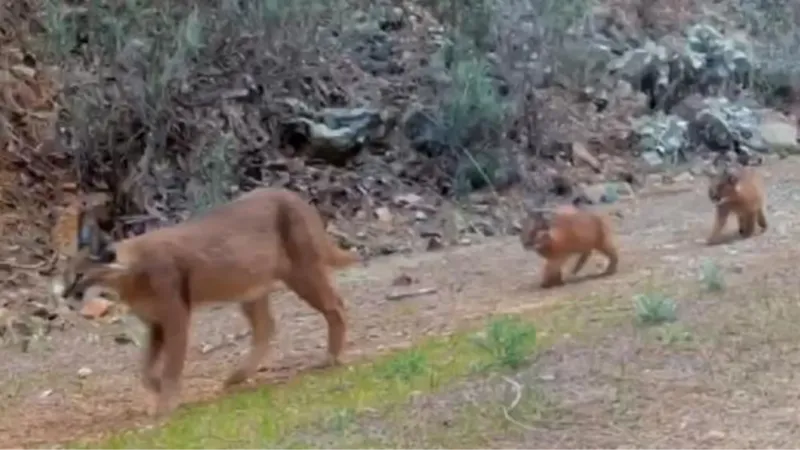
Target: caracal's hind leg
720,219
761,219
262,324
609,248
151,363
176,341
581,262
552,276
312,283
174,319
747,224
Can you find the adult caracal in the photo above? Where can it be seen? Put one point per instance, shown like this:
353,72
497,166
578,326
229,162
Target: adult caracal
235,252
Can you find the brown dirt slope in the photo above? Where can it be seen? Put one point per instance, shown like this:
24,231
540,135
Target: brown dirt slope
660,237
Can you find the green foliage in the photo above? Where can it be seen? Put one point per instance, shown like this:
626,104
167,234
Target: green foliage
473,19
213,175
341,419
150,71
674,334
473,110
776,38
712,277
472,116
509,341
407,365
654,308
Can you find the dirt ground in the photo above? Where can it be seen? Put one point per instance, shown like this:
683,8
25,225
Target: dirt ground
661,239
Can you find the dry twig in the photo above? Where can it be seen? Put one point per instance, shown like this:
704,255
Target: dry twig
517,398
407,294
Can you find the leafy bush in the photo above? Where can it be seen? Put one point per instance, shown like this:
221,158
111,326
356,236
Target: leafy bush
163,99
773,27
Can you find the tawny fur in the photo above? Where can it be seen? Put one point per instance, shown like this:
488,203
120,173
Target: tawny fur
234,253
570,231
738,191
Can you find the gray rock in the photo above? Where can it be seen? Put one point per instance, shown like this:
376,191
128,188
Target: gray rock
333,134
611,192
653,159
721,58
425,133
724,125
635,64
780,136
707,61
661,135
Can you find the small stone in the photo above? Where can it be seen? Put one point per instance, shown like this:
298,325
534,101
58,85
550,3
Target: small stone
653,159
465,241
780,135
95,308
547,377
57,288
434,243
715,434
407,199
402,280
84,372
654,179
383,214
582,154
23,71
684,177
605,192
46,393
420,216
123,339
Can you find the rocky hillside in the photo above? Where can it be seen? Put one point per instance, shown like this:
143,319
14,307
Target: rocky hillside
411,124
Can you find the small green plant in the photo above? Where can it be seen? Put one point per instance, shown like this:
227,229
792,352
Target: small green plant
674,334
654,308
712,277
406,365
508,340
341,419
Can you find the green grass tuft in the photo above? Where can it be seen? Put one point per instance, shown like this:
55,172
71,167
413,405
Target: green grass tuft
712,277
655,308
508,341
272,415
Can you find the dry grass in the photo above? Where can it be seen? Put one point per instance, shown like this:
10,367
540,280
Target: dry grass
722,377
